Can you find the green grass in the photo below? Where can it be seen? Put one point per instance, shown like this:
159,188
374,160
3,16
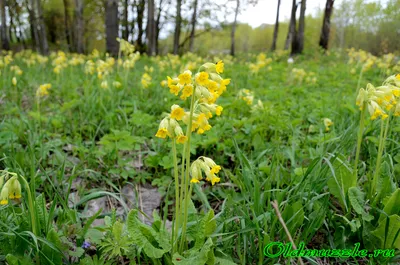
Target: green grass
277,148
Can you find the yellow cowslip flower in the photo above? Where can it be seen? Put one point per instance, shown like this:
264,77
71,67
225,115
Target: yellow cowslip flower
187,91
215,169
163,131
4,195
146,80
104,84
212,86
43,90
174,89
328,123
14,81
195,172
185,77
171,81
117,84
163,83
177,112
209,167
180,137
219,68
218,110
201,124
14,190
202,78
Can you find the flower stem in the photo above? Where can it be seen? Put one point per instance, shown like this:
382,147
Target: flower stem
359,140
185,173
382,139
177,199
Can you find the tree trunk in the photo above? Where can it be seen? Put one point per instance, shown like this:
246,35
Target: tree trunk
79,27
292,26
44,47
194,20
326,25
158,26
21,35
67,24
11,27
4,38
112,27
32,23
177,26
276,29
295,38
300,35
151,30
140,14
125,31
234,29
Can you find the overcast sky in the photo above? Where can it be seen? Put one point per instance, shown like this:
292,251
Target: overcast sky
265,10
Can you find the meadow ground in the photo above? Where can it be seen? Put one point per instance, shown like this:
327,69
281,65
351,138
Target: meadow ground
264,130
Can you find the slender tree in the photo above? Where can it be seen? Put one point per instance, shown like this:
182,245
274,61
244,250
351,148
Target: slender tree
151,29
178,22
67,25
44,47
140,15
158,23
5,43
276,29
79,26
125,23
292,25
298,36
326,25
302,26
112,27
32,22
193,26
234,28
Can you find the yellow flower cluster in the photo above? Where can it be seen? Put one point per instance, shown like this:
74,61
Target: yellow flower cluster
247,96
209,84
204,88
262,61
104,68
125,47
43,90
60,62
10,190
328,123
382,99
206,165
16,69
77,59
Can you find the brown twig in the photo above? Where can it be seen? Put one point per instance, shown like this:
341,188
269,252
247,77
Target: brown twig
278,213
